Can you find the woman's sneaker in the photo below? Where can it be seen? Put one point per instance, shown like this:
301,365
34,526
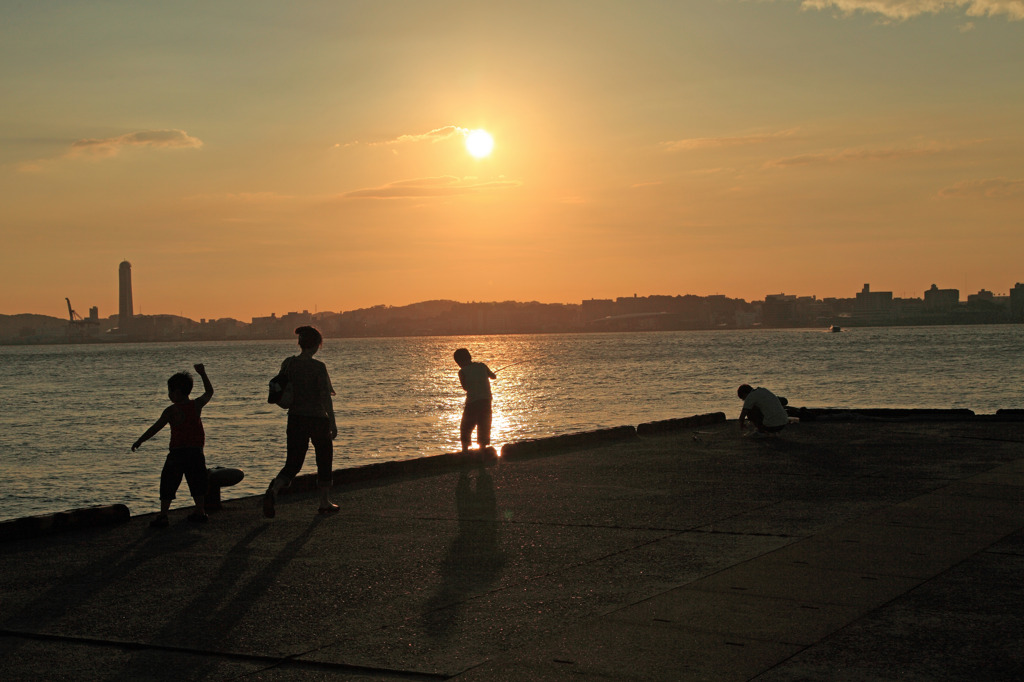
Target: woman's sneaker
268,504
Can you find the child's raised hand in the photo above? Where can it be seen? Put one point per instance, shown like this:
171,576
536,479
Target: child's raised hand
200,368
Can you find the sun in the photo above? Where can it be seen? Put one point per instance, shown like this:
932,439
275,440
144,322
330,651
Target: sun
479,143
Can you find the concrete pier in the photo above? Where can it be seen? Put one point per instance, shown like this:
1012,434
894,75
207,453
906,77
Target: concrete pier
838,550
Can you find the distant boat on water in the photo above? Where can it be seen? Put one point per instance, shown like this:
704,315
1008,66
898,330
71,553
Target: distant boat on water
835,328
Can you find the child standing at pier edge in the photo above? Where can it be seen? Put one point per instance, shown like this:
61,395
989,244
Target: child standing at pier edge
185,456
475,378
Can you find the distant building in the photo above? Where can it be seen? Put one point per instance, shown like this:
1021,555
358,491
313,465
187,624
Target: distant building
779,310
985,307
873,302
1017,302
941,300
266,327
125,306
908,309
596,308
275,327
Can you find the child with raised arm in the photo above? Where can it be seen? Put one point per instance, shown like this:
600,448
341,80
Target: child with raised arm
185,455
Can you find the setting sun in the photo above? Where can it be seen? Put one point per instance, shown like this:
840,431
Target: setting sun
479,143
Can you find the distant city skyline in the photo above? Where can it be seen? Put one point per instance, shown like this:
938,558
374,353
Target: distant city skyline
868,308
125,294
256,157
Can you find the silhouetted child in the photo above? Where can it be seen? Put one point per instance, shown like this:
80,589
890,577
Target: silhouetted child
475,377
185,456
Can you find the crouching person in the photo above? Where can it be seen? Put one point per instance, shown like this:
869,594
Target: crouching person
763,408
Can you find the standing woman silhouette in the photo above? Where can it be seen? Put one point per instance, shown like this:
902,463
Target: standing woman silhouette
310,420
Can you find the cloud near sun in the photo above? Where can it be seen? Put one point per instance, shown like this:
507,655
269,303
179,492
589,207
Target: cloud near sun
901,10
435,135
444,186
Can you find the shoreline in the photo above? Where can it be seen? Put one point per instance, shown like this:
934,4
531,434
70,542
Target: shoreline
8,342
102,515
116,513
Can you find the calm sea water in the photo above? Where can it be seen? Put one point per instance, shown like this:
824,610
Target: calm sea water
70,413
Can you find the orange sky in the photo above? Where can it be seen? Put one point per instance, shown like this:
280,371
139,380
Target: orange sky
251,158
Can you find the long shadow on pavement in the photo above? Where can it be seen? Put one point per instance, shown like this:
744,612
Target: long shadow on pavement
474,559
213,611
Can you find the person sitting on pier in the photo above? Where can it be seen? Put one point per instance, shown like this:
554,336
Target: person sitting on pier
764,409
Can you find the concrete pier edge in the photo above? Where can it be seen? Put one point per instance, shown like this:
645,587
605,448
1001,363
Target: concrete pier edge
103,515
58,522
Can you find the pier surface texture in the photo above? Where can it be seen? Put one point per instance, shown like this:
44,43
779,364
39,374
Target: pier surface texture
879,549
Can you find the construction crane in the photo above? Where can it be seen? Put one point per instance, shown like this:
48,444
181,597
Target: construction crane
72,315
80,328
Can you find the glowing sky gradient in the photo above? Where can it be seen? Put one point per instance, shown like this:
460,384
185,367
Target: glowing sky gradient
252,157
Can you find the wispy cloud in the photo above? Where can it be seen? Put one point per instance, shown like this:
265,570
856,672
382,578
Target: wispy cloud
991,188
242,198
112,146
443,186
105,148
858,155
435,135
693,143
901,10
